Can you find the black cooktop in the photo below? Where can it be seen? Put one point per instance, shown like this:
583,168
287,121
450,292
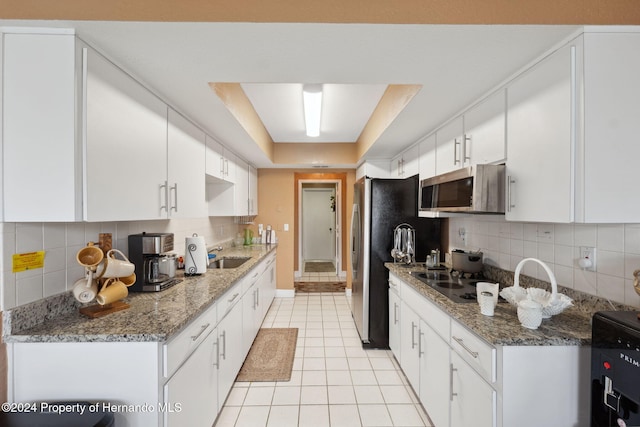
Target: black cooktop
458,288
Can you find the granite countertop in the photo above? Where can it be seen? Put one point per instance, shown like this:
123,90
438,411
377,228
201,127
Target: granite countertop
571,327
153,316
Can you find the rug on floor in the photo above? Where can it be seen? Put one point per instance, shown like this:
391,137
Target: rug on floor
271,356
319,286
319,267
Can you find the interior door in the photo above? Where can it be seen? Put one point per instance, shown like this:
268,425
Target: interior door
319,223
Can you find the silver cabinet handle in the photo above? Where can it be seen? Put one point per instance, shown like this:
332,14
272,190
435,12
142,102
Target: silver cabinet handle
175,197
413,337
395,313
258,297
226,167
224,345
459,341
253,307
230,300
455,150
163,189
202,329
221,166
420,335
467,143
510,204
217,364
451,371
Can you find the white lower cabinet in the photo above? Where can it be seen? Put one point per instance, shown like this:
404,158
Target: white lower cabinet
462,380
410,345
181,382
185,398
435,370
473,401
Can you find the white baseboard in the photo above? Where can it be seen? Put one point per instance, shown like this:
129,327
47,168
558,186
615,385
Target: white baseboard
285,293
347,292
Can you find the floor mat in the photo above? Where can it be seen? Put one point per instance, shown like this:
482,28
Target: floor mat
319,267
271,356
319,286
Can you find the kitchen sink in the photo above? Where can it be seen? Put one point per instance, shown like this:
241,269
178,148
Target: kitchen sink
228,262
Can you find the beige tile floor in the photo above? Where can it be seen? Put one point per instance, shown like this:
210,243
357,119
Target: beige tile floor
335,382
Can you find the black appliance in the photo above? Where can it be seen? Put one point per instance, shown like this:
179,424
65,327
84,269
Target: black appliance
155,266
615,369
379,206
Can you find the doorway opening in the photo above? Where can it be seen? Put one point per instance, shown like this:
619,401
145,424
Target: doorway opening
319,239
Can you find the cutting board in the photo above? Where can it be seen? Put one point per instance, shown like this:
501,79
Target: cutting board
98,310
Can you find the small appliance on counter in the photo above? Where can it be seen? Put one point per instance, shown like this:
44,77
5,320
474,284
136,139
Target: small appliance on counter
155,266
464,262
615,369
196,257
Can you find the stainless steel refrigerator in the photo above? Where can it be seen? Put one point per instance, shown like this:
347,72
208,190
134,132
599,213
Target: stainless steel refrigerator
379,205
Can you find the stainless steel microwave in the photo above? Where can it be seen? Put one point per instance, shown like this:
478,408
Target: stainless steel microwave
474,189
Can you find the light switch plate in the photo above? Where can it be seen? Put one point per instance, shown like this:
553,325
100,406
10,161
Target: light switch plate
588,253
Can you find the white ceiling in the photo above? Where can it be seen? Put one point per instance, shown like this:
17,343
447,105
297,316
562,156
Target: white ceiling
456,64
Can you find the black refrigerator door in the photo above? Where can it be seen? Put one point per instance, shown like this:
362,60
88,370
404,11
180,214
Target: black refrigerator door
393,202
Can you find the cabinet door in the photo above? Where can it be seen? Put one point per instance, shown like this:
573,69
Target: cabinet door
186,174
411,161
449,141
540,142
230,166
41,169
231,351
396,167
394,323
484,131
435,393
473,401
409,345
125,147
214,158
253,190
241,187
427,162
191,395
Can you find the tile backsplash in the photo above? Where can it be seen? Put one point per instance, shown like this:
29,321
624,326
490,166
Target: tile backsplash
504,244
61,241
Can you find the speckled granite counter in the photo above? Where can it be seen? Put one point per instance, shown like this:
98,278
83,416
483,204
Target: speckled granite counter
571,327
152,316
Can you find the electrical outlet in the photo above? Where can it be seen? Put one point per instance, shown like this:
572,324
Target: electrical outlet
587,258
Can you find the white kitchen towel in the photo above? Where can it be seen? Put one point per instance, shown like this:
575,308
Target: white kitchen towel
195,255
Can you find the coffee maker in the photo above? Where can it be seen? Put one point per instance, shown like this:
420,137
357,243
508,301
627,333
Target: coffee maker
615,369
155,267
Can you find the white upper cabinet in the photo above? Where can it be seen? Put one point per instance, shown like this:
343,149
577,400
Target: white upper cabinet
449,153
406,164
540,141
241,188
477,137
220,162
484,131
125,146
572,123
42,157
186,174
253,190
427,161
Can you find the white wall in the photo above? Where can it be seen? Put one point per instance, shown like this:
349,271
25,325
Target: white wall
61,242
504,244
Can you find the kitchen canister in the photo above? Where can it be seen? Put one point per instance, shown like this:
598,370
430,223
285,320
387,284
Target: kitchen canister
196,258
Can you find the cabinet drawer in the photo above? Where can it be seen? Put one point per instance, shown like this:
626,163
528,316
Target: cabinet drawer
178,348
477,352
437,319
250,279
229,299
394,284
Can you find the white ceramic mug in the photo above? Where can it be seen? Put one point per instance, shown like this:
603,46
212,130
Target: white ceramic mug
114,267
494,288
85,289
487,306
113,290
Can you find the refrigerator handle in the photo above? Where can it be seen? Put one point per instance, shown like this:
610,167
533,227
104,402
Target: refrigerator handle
355,238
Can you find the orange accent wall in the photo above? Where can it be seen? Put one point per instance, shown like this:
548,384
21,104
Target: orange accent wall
339,11
277,205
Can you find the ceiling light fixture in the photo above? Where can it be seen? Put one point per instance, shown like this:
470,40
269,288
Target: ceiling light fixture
312,99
